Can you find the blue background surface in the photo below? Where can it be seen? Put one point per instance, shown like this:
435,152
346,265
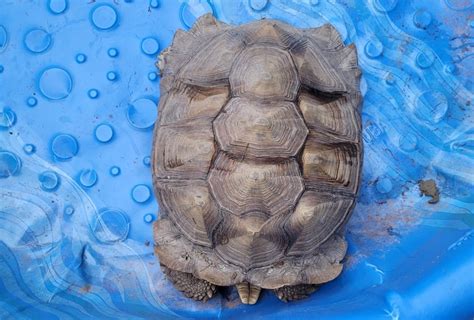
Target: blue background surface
78,94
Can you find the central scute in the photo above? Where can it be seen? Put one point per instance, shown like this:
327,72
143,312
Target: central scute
256,180
260,129
264,72
243,186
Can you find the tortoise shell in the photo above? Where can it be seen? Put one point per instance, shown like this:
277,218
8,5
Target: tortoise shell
257,152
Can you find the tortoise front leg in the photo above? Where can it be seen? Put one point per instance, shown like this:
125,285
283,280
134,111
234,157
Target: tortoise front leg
188,284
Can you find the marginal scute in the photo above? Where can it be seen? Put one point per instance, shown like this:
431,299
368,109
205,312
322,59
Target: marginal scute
326,37
190,206
315,219
242,186
184,152
337,117
212,64
178,253
187,103
260,129
334,166
206,24
349,68
271,32
185,45
264,72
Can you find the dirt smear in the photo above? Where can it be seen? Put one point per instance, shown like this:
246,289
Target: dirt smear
429,188
374,227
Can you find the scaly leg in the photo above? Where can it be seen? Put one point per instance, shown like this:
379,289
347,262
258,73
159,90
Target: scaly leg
191,286
297,292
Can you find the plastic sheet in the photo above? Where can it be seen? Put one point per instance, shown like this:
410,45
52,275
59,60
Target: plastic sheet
78,94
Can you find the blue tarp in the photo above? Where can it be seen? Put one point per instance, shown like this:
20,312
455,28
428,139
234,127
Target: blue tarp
78,94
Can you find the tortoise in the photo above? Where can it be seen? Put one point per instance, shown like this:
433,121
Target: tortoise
256,157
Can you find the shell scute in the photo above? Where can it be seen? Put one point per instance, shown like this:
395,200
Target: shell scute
334,116
212,64
185,151
315,219
191,207
253,129
242,186
265,72
331,166
191,103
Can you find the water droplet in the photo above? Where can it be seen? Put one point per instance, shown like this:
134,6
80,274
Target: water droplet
149,218
114,171
111,225
150,46
104,17
425,59
363,86
147,161
112,52
104,133
314,2
431,105
142,113
1,69
3,38
88,178
408,142
372,132
64,146
189,12
154,3
384,185
152,76
49,180
55,83
450,68
10,164
81,58
258,5
385,5
141,193
7,118
57,6
471,23
31,101
37,40
422,19
29,148
93,93
459,4
68,210
112,76
373,48
390,79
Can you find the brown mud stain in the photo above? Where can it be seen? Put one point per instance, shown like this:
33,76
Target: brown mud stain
374,227
429,188
87,288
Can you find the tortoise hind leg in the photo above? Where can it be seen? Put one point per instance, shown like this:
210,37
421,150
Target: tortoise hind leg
297,292
189,285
